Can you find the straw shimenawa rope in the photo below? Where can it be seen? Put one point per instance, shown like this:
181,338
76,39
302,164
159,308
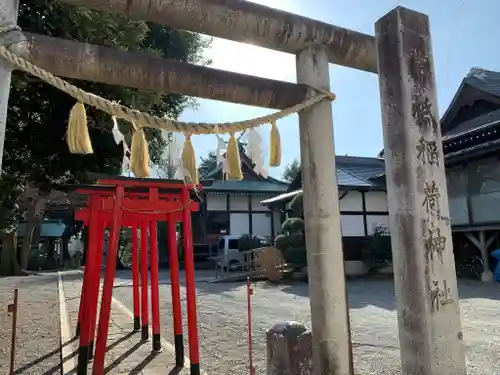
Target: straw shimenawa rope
79,142
148,120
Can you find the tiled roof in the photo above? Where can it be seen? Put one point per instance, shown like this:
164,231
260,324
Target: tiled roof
485,80
345,178
260,183
354,171
481,122
361,168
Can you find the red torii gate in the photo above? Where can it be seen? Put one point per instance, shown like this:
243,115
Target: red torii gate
139,204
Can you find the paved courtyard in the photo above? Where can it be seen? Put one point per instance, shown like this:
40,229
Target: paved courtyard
38,327
222,319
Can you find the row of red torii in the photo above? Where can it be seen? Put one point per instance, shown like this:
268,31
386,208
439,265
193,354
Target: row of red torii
139,204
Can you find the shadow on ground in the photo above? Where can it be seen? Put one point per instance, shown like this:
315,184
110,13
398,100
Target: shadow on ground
380,293
361,292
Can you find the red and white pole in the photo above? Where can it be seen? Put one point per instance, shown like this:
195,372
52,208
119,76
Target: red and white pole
86,300
96,283
249,313
176,292
192,319
107,290
155,293
144,282
12,309
135,278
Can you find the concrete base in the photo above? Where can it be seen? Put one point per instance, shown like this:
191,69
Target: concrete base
487,276
355,268
388,270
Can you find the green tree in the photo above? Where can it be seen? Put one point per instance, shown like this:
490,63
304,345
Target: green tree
207,164
291,170
35,149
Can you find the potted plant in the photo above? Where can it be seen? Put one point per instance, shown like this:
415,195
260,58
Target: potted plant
292,243
377,253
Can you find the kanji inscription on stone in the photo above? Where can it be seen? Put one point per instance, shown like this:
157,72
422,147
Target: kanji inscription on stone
421,111
435,244
439,295
419,65
431,200
427,152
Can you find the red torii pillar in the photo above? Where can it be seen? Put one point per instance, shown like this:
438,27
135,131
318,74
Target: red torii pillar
119,207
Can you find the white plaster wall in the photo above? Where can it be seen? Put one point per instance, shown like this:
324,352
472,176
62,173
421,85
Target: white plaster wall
352,225
376,201
216,203
351,202
261,225
256,206
457,186
239,224
458,210
484,207
238,203
374,221
277,223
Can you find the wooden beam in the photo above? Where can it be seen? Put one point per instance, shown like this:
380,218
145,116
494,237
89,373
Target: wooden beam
474,240
88,62
482,244
490,240
247,22
145,206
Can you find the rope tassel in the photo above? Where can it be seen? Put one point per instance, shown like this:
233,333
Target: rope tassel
233,160
77,135
275,146
146,119
189,161
139,154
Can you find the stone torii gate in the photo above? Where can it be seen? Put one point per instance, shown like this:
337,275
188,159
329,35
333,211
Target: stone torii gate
429,321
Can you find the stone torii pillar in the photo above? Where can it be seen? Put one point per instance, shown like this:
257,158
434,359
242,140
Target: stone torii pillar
325,258
8,21
430,328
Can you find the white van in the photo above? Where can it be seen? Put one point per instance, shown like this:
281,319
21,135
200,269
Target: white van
229,256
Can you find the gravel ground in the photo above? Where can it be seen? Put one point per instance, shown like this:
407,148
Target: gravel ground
126,353
38,327
222,320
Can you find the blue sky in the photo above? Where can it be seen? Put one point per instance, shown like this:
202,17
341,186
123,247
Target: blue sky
464,36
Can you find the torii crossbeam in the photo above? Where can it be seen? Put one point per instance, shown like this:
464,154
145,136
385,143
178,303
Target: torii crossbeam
431,339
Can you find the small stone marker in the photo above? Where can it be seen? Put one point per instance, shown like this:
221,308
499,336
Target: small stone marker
289,349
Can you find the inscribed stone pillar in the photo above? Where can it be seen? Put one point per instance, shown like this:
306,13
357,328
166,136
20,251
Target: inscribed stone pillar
325,259
430,330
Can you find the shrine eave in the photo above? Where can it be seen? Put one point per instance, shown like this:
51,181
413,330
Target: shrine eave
472,144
